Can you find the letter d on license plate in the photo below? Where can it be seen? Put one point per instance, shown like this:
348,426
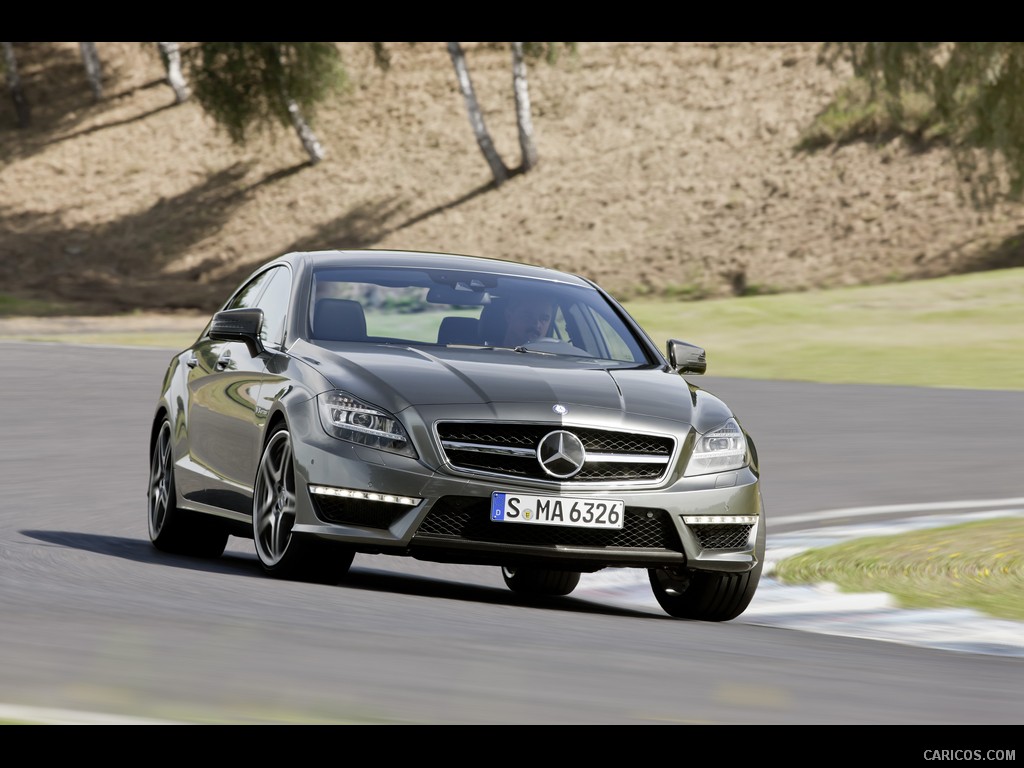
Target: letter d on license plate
556,510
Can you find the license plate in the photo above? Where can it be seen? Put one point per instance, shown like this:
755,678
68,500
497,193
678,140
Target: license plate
556,510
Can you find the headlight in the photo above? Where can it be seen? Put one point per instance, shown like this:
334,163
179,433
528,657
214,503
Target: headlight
718,450
348,418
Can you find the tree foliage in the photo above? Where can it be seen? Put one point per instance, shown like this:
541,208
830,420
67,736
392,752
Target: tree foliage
253,86
976,90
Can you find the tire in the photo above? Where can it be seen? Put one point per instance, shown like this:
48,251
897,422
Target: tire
282,553
708,595
171,529
540,582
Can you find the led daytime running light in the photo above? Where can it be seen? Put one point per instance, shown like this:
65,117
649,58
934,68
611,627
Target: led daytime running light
351,493
719,519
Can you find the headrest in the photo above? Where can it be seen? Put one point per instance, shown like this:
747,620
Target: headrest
458,330
339,320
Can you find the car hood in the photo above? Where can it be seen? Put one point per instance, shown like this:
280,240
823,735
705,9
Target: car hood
502,383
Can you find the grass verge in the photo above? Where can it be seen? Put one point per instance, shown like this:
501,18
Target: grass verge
977,565
965,331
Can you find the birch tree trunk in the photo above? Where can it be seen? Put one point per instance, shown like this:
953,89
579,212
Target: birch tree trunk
524,119
309,140
93,70
171,54
21,109
476,119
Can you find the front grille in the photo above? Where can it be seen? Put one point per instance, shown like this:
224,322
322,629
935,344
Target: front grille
468,519
722,536
510,450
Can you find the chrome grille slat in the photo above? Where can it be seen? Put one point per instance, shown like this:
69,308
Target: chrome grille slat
625,458
501,450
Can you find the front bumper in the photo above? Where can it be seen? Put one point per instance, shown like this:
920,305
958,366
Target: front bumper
379,502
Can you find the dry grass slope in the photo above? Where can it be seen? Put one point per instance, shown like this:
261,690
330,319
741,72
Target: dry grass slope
665,169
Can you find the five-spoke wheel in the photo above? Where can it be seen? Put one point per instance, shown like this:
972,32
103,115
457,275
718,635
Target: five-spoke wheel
172,529
281,551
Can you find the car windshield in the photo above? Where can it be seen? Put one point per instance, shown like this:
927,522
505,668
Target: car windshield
478,309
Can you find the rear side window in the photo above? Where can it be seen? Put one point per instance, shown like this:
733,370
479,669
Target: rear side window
274,303
269,291
249,293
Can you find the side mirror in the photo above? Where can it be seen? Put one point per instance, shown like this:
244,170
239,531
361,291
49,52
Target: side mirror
242,325
686,358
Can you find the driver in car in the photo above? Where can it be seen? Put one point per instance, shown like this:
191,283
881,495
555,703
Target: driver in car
527,319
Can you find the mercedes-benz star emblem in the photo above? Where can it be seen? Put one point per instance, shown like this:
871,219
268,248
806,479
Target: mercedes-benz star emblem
561,454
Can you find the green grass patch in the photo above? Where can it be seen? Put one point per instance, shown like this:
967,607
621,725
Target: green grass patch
965,331
977,565
11,306
170,340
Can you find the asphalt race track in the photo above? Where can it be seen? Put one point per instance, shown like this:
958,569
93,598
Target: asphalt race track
96,620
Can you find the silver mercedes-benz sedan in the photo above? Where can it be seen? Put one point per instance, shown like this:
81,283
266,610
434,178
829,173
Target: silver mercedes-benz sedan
453,409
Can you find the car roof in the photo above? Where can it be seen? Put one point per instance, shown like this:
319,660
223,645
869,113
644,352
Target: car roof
428,260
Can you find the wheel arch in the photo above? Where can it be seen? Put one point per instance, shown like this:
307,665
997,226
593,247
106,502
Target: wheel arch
154,430
277,418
